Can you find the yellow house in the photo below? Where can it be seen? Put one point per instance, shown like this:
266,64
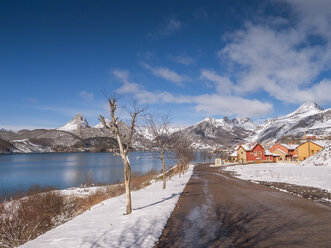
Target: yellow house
282,154
241,154
307,149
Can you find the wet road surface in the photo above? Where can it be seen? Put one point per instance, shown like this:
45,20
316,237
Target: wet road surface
217,210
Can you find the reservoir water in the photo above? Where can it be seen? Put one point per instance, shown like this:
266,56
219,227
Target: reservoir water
64,170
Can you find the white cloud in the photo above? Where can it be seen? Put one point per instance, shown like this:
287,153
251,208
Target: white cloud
172,25
169,27
167,74
223,84
32,100
285,58
87,95
278,62
211,104
314,16
128,88
185,60
122,75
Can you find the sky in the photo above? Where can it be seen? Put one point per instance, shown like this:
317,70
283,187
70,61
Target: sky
192,59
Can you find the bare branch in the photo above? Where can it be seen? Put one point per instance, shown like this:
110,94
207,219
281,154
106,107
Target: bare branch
114,127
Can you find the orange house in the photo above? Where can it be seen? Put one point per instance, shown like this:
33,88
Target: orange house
289,150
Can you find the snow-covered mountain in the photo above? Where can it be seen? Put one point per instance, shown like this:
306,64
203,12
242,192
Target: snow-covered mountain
309,118
100,125
78,122
245,123
212,133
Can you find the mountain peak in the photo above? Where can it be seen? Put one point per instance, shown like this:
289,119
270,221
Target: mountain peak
244,122
307,107
79,121
100,124
79,117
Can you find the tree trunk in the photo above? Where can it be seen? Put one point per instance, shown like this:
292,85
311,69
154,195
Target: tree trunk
163,171
127,182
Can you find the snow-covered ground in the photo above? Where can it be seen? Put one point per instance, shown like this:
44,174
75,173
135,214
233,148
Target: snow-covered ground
293,173
322,158
83,191
106,226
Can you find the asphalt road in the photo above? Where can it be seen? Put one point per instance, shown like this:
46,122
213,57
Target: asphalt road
217,210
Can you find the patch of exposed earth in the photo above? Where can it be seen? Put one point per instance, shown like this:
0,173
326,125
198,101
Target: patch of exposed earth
319,195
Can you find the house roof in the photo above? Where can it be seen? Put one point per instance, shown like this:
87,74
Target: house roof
281,151
268,153
249,147
234,154
320,143
290,146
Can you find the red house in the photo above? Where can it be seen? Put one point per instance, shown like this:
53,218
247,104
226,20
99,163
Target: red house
251,152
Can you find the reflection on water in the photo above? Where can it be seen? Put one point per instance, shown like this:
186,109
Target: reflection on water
64,170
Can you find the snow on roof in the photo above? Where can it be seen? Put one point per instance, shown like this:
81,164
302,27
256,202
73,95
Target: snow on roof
290,146
249,146
321,143
268,153
234,154
280,151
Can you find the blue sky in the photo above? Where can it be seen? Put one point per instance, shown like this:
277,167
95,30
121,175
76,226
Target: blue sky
194,59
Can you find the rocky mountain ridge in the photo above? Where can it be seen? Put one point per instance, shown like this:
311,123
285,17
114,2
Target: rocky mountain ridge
210,133
309,118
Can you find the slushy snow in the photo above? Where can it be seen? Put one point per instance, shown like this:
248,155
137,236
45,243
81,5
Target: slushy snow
106,226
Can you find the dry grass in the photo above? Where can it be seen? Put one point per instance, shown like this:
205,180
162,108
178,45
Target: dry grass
140,180
20,193
83,204
27,218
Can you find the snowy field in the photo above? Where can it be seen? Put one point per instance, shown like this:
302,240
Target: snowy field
293,173
106,226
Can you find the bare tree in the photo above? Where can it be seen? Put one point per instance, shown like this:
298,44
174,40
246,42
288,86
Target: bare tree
159,128
184,152
124,143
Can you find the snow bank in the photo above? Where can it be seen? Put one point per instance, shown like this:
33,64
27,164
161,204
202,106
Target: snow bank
322,158
106,226
311,176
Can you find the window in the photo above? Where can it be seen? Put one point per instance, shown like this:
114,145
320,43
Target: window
312,151
242,153
251,153
260,153
255,154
